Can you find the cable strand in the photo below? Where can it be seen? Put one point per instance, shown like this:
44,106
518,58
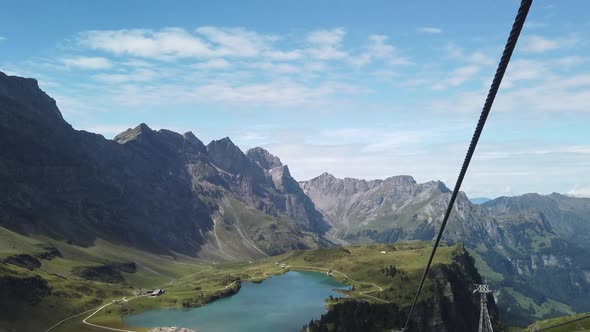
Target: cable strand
500,71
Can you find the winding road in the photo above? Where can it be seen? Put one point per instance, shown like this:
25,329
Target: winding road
123,299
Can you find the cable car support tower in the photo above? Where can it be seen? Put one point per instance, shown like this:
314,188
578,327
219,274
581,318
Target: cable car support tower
485,324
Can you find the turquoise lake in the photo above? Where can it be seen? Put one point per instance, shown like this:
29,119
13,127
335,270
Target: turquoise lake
280,303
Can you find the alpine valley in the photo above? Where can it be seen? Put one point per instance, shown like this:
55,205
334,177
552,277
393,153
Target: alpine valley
65,193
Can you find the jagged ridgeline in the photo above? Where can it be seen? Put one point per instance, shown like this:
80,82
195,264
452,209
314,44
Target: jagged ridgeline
533,249
167,193
155,190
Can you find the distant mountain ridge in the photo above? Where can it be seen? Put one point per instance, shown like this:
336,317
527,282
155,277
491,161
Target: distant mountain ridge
480,200
521,244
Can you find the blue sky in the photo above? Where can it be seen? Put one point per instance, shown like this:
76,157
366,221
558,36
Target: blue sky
360,89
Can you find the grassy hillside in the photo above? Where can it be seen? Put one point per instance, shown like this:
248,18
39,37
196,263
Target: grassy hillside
49,287
49,290
575,323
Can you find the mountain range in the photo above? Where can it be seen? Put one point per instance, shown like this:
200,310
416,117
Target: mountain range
156,190
480,200
533,249
169,193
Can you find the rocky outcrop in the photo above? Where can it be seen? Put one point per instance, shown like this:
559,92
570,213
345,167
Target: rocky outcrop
109,273
22,260
28,289
171,329
393,209
264,158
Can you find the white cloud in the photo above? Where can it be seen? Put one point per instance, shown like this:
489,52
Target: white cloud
87,63
540,44
327,44
498,152
171,43
458,76
385,74
580,191
430,30
2,38
276,93
327,37
569,61
138,75
272,68
555,94
212,64
280,93
315,66
476,57
541,71
236,41
344,152
463,102
167,43
380,49
524,70
138,63
283,55
210,42
215,45
395,140
360,153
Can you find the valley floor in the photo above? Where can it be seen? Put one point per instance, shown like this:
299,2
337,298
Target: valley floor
60,300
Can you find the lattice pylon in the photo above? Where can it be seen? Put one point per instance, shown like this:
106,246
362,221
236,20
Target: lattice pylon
485,324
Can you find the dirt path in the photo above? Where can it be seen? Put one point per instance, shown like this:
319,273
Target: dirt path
123,299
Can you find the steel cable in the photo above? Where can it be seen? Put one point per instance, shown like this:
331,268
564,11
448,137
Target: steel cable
523,11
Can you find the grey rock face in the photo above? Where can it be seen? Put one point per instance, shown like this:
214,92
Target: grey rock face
156,190
393,209
264,158
526,239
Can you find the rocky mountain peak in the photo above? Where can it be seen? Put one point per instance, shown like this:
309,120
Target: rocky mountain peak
227,156
26,91
192,140
400,180
190,135
281,177
326,175
162,141
264,158
137,133
224,145
324,178
439,185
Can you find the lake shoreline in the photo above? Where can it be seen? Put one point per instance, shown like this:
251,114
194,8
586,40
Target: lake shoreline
299,282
